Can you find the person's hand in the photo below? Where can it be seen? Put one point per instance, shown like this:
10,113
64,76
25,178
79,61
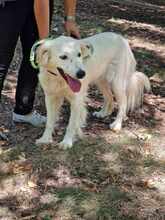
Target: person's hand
72,29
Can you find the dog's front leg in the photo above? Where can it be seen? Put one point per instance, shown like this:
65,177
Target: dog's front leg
52,105
76,121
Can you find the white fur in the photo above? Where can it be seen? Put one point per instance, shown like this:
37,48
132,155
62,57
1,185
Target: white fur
107,61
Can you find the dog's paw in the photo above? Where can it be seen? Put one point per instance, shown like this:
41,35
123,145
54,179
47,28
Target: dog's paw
44,140
115,126
65,144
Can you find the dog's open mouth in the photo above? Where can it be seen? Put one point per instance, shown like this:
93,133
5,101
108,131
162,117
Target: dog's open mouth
74,84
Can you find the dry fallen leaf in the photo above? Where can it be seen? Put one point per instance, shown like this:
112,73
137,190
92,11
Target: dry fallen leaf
32,184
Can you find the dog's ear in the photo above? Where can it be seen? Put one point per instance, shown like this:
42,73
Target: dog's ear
87,49
40,54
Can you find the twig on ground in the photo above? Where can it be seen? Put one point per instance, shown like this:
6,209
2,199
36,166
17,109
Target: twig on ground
28,217
139,4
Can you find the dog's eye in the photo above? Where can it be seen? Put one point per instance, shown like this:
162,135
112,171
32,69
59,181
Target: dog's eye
64,57
79,54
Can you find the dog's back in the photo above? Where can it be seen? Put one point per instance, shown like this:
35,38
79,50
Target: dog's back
114,62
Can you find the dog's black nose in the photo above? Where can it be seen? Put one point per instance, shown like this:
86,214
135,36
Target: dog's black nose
80,74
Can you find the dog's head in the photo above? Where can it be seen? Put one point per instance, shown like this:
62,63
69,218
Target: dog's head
63,56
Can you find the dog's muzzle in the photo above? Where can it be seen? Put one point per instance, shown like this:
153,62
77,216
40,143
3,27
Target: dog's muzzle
74,84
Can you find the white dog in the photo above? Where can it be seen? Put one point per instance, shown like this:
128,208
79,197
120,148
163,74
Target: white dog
68,66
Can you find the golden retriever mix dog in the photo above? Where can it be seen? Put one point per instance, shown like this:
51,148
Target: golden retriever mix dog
67,67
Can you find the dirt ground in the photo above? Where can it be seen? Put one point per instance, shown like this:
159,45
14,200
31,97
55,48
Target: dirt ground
107,176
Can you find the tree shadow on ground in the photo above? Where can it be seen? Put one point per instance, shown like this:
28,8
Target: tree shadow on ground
93,180
151,14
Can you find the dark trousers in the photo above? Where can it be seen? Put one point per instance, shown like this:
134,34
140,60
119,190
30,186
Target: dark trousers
17,20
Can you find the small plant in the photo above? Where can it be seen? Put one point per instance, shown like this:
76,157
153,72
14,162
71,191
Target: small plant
46,217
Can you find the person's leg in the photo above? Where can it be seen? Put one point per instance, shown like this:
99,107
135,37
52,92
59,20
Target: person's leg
51,8
28,76
12,18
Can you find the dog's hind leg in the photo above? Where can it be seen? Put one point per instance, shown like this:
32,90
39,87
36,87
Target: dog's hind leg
52,105
121,99
123,70
104,87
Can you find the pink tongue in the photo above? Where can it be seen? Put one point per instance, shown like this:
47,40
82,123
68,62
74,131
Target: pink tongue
74,84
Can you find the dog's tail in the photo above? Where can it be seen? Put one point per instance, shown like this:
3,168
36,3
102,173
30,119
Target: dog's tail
135,90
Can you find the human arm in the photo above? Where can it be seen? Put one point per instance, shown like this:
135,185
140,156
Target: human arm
70,23
41,10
